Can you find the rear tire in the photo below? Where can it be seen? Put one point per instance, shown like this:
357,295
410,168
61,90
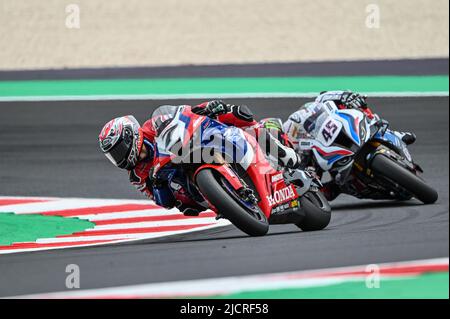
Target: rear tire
238,215
406,179
317,211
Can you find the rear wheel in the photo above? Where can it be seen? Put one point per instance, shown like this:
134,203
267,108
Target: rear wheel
317,211
406,179
247,217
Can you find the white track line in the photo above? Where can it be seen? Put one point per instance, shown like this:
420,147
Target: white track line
126,231
90,199
131,214
130,97
64,204
177,222
130,238
227,285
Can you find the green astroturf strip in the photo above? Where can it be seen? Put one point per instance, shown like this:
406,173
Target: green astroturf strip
29,227
224,85
431,285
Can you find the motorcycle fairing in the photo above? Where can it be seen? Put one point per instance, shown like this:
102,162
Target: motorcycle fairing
395,142
246,152
355,125
223,139
175,186
327,156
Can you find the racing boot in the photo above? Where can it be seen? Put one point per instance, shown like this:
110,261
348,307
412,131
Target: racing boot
187,210
286,156
408,138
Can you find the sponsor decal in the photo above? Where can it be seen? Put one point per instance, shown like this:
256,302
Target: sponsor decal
305,143
294,204
329,105
281,196
277,177
280,208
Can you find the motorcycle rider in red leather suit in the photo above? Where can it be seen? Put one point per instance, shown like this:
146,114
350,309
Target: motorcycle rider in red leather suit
132,147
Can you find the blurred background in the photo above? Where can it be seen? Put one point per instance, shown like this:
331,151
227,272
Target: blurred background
34,34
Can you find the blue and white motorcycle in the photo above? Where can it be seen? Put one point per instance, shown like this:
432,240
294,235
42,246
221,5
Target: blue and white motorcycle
362,157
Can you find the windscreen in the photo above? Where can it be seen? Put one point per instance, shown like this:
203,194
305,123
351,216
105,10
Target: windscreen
162,116
312,123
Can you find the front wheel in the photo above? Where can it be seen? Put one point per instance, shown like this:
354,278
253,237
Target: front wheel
247,217
317,211
406,179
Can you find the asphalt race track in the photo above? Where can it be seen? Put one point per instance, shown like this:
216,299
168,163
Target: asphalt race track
50,149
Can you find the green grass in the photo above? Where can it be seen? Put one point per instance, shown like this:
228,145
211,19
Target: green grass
431,285
29,227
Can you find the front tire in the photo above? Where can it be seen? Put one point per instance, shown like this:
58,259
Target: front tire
317,211
406,179
253,223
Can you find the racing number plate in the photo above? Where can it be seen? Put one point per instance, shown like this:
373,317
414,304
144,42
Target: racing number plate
329,131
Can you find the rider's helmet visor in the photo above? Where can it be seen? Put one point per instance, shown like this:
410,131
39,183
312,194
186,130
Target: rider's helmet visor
119,153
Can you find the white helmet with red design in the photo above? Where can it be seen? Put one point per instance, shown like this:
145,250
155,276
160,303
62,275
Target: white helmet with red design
121,141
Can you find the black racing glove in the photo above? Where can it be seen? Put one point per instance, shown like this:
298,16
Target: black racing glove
217,107
353,100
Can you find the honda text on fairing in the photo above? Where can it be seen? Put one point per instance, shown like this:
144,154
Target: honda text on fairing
362,157
223,168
